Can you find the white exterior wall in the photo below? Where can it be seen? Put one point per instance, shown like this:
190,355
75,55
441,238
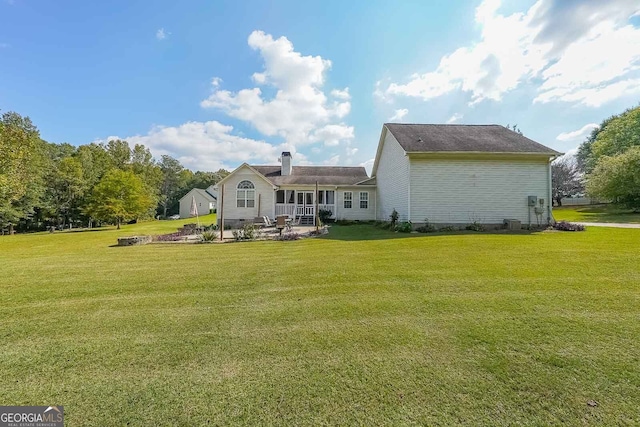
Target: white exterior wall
392,178
355,213
487,191
203,204
262,187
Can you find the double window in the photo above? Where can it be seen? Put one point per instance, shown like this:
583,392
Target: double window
246,195
326,197
364,200
348,199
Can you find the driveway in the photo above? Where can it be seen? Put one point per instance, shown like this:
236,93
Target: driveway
608,224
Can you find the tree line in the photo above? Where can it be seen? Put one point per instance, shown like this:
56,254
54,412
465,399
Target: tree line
44,184
607,165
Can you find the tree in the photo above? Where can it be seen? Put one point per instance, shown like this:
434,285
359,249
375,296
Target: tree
120,196
615,135
617,178
21,167
515,128
566,180
171,181
65,187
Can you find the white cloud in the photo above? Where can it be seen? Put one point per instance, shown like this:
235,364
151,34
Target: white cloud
341,94
581,51
206,146
300,111
577,134
351,151
161,34
331,135
333,161
368,165
399,114
455,118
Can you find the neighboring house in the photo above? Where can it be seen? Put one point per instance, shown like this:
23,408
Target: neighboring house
206,201
458,174
448,174
255,191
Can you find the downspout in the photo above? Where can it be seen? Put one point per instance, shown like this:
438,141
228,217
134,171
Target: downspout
409,189
550,219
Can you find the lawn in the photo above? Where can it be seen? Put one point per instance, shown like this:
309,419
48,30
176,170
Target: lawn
595,213
360,327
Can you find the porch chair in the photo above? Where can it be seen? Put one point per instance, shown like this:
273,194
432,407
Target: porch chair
268,222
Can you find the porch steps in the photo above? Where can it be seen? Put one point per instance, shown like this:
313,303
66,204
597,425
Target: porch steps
306,220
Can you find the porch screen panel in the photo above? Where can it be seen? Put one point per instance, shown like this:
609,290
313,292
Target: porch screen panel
331,197
280,196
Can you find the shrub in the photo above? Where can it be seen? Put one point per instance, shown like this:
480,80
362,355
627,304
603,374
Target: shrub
448,228
324,215
568,226
475,226
404,227
427,227
288,236
247,232
394,219
209,236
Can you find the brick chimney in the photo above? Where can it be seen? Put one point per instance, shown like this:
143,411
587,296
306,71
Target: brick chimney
286,160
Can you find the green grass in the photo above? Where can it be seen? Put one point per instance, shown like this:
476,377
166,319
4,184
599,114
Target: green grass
361,327
595,213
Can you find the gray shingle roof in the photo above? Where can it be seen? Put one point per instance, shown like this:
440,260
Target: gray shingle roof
308,175
460,138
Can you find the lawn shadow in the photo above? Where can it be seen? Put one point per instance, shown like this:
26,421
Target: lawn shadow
358,232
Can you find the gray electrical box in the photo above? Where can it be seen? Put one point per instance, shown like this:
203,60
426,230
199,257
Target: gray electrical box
541,202
532,200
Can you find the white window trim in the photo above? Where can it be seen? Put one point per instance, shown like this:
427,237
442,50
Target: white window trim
246,198
345,200
364,200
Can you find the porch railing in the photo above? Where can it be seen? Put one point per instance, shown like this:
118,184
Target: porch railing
289,209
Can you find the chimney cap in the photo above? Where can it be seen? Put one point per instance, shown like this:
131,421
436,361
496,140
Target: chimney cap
286,153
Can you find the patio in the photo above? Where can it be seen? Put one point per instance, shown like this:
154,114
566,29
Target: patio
271,232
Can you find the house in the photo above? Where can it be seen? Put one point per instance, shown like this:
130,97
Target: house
252,191
459,174
446,174
206,201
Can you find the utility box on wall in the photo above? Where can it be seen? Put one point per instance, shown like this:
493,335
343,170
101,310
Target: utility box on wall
532,200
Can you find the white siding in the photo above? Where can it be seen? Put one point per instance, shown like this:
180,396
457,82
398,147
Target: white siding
392,178
355,213
203,204
264,190
487,191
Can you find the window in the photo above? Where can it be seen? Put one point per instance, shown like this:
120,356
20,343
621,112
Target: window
245,195
280,196
364,200
348,198
326,197
291,196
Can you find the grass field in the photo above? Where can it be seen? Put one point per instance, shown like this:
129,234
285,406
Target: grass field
360,327
595,213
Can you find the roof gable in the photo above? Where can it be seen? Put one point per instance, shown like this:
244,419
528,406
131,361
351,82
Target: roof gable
429,138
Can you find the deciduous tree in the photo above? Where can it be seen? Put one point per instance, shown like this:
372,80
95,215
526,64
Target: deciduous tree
120,196
617,178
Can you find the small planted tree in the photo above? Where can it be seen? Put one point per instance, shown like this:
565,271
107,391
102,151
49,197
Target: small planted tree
566,180
120,196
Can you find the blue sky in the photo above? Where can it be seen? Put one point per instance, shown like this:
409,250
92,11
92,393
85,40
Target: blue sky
217,83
